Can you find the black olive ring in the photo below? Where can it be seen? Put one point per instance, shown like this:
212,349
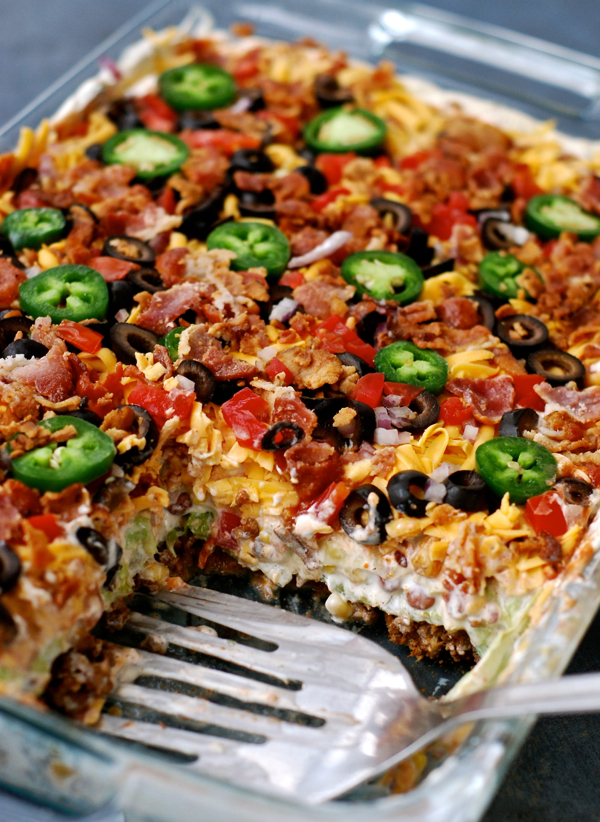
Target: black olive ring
401,213
143,252
94,543
357,507
281,435
536,333
143,427
203,379
146,279
127,339
402,498
428,411
10,568
516,423
540,362
467,491
576,491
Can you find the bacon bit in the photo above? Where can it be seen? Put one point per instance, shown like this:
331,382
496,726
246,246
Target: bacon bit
47,524
65,504
210,352
490,398
291,409
311,466
50,375
111,268
26,500
9,517
582,405
458,312
321,299
171,265
10,279
312,368
164,307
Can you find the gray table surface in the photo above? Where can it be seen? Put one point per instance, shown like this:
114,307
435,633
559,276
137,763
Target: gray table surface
556,777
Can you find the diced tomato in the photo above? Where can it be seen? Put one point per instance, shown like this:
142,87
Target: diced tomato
415,160
544,513
334,324
327,506
323,200
548,248
155,114
402,389
390,187
228,522
244,414
523,183
444,216
369,389
111,268
290,124
162,406
332,165
453,411
292,279
336,337
167,200
382,162
354,345
524,385
247,66
30,199
277,367
81,336
532,400
223,139
48,524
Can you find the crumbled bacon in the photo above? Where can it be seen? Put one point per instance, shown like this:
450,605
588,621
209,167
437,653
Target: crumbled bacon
458,312
9,516
321,299
10,279
51,374
165,306
312,367
291,409
209,352
171,266
311,466
26,500
490,398
582,405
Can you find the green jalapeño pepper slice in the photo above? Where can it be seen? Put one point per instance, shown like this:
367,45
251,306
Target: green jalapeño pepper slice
31,227
198,85
83,458
384,275
256,244
338,130
403,361
67,292
516,466
549,214
171,343
151,153
499,273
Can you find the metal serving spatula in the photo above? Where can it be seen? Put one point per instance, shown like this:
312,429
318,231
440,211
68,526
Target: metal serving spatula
290,706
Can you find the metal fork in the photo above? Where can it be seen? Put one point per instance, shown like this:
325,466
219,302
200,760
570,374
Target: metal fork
287,705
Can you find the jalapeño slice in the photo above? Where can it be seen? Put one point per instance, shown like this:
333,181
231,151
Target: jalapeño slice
171,342
384,275
338,130
516,466
255,244
151,153
403,361
549,214
32,227
498,275
67,292
83,458
199,85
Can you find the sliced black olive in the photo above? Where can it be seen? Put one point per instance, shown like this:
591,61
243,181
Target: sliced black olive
516,423
418,247
195,119
226,389
80,214
10,327
146,279
365,514
402,214
281,435
467,491
114,491
361,366
140,423
485,310
489,213
114,565
256,198
252,160
29,348
127,340
438,268
428,411
120,295
555,366
255,95
129,249
87,415
492,235
203,379
401,495
316,179
124,115
94,152
329,93
8,627
10,567
366,327
24,179
522,333
575,491
250,208
196,224
94,543
360,429
6,248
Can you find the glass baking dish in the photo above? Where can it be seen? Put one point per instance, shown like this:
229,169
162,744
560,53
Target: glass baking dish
52,761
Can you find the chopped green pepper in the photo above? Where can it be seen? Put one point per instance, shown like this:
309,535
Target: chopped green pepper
499,273
403,361
338,130
32,227
67,292
384,275
255,244
516,466
199,85
171,342
549,214
151,153
52,467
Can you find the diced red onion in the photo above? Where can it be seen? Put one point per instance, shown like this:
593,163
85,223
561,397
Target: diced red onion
32,271
393,401
241,105
443,471
283,310
434,491
382,418
267,354
122,315
470,432
385,436
110,65
493,214
401,417
184,383
514,233
324,249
